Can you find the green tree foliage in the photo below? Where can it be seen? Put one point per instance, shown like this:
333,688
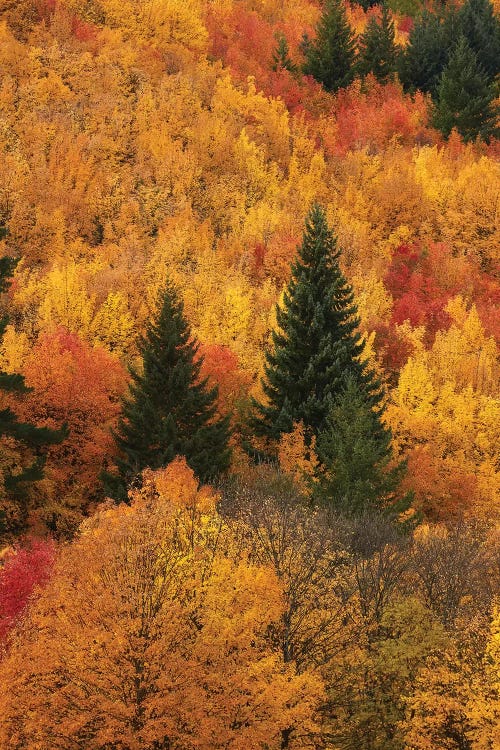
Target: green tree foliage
281,55
481,28
425,57
18,475
406,7
435,36
369,684
465,97
330,57
367,4
317,343
170,411
355,449
377,50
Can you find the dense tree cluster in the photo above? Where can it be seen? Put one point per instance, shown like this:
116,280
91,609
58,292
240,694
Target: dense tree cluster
205,180
455,56
452,54
168,320
172,623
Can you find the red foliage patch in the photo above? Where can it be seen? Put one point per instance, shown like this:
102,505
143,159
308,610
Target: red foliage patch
392,348
80,385
84,32
421,280
245,42
372,116
25,568
406,24
419,297
486,295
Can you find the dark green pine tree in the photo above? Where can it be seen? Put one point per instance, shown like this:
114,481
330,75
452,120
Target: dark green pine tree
356,451
481,28
330,56
170,411
281,55
367,4
425,57
465,98
377,52
33,440
317,343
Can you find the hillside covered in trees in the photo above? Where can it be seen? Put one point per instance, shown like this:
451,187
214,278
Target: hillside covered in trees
250,416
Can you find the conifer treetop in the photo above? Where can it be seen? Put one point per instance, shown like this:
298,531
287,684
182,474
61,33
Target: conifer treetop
330,57
377,50
170,411
317,341
466,98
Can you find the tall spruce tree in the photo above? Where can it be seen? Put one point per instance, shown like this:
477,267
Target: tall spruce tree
481,27
357,455
377,51
317,344
170,411
465,97
425,56
32,440
330,56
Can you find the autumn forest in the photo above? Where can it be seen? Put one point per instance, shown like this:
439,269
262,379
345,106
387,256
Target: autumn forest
250,415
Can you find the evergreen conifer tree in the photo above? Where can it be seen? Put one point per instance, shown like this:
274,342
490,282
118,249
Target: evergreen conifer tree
481,27
367,4
425,56
317,344
281,55
170,411
356,451
377,50
465,97
32,439
330,57
435,36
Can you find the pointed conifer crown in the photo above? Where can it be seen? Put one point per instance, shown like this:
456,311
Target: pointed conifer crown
170,411
317,340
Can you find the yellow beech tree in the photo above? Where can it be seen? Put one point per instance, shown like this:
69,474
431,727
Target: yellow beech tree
154,633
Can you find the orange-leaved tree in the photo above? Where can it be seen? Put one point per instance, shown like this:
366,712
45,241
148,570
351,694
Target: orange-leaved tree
154,634
81,386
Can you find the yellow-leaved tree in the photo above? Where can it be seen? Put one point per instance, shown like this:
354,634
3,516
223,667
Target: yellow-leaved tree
162,21
445,418
456,700
154,633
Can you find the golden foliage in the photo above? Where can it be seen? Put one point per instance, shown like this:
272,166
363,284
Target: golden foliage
298,458
153,628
